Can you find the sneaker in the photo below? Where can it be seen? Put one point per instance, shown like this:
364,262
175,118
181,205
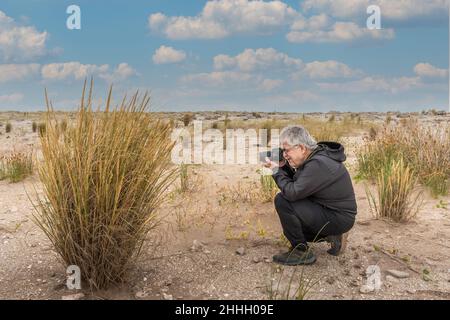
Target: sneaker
295,257
338,244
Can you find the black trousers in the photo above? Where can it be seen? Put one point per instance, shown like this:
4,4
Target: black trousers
305,221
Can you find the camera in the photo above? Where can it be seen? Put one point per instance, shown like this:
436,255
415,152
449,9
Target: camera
275,155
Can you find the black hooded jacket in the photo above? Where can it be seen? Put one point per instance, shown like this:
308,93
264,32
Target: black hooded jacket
322,178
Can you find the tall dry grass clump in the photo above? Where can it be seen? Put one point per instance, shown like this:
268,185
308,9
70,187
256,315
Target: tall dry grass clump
103,178
395,198
426,150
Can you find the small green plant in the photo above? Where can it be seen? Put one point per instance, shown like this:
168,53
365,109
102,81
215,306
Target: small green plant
426,275
189,181
294,286
269,188
332,118
16,167
34,126
442,204
187,119
388,119
8,127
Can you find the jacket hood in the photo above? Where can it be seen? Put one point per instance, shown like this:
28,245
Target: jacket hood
333,150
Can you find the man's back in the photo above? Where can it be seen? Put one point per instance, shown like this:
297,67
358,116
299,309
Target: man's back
322,178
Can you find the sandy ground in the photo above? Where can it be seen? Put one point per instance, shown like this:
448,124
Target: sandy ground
203,229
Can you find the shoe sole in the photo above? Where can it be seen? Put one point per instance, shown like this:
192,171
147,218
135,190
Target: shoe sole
293,263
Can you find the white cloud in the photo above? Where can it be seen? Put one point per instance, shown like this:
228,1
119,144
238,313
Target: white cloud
76,70
18,43
305,31
269,59
223,18
374,84
260,59
123,71
270,84
329,69
426,70
12,98
14,72
394,10
164,55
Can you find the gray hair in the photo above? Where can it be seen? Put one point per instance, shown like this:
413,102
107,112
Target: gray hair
296,135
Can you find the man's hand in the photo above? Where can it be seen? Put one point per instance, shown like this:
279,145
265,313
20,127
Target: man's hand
273,165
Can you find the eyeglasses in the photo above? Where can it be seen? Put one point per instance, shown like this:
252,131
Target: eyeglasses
288,150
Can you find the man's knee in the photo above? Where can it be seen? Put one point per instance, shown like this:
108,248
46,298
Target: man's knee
281,203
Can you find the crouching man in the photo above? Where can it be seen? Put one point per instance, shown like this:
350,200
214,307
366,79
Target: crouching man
317,201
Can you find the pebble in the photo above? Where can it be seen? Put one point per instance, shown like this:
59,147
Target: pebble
365,289
398,274
256,260
141,294
167,296
77,296
240,251
197,245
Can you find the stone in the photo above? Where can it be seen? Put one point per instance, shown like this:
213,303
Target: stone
197,245
76,296
398,274
240,251
365,289
167,296
256,260
141,294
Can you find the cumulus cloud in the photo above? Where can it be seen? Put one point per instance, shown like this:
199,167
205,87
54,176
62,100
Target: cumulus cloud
15,72
426,70
223,18
329,69
122,72
257,59
391,10
269,59
76,70
320,29
20,43
165,55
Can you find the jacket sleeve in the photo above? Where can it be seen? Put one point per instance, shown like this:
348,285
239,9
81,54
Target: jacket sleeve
314,176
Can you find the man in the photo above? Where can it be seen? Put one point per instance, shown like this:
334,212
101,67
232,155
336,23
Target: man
317,201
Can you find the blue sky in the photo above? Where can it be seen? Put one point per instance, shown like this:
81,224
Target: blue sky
296,56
